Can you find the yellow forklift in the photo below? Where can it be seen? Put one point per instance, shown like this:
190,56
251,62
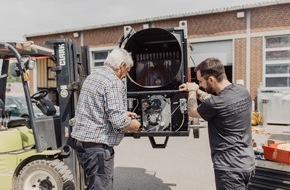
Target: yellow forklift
33,152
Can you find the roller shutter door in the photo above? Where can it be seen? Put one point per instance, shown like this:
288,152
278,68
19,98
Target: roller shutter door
220,49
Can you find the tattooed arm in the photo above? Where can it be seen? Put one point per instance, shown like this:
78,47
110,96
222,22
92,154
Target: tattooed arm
192,89
201,95
192,105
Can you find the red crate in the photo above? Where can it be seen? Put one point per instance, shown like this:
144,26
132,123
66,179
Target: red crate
272,153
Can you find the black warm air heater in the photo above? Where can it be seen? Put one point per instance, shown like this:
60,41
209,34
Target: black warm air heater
160,66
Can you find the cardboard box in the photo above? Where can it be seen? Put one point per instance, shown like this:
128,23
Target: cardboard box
278,138
271,152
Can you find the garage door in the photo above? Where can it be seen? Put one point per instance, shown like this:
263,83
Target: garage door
220,49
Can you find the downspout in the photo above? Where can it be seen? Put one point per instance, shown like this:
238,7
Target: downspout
248,51
82,38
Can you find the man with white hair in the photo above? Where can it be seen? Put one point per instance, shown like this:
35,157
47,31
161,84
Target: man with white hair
102,118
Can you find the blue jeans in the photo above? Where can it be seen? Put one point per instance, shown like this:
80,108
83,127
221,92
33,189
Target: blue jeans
98,165
229,180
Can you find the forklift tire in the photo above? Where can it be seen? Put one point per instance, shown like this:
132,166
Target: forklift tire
45,175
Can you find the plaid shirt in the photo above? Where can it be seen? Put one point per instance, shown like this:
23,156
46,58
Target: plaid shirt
102,109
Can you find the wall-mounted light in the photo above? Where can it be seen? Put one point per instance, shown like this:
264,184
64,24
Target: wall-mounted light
146,26
241,14
76,35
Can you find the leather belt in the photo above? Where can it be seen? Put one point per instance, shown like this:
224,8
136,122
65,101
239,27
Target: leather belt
92,144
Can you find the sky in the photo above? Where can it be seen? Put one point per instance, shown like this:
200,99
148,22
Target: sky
27,17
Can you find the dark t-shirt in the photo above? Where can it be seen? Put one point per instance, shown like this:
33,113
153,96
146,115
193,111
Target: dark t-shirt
229,127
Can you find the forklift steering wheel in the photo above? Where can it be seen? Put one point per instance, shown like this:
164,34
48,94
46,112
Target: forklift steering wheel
39,95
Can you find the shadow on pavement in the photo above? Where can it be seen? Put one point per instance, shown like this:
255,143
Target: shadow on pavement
138,179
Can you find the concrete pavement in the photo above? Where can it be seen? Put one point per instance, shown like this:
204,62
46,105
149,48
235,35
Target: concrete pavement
185,164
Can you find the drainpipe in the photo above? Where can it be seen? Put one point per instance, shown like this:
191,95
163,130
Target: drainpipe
82,38
248,51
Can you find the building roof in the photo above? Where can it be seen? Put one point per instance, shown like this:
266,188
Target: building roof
166,17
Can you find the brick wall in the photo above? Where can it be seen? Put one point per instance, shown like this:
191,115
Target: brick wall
107,36
240,60
218,24
263,19
256,65
272,18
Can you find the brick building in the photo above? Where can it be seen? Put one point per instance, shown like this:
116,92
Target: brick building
253,41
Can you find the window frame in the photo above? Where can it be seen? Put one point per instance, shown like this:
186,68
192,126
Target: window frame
107,49
267,62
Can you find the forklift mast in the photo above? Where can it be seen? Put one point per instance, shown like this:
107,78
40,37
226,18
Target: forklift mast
70,74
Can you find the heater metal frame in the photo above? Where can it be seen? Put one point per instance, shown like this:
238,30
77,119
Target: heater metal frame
153,102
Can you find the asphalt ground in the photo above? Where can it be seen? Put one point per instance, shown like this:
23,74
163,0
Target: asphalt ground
185,164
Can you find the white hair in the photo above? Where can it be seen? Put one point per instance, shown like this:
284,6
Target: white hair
117,57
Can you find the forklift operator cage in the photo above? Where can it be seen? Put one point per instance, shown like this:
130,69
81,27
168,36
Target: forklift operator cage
160,66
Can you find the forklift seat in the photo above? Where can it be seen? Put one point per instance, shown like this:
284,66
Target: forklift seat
15,121
46,106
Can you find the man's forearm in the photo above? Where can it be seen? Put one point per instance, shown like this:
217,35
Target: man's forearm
201,95
192,102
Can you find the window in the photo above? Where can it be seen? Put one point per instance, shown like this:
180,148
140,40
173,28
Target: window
98,58
223,50
277,62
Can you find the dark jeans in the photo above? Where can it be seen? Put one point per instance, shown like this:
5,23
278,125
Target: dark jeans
229,180
98,165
